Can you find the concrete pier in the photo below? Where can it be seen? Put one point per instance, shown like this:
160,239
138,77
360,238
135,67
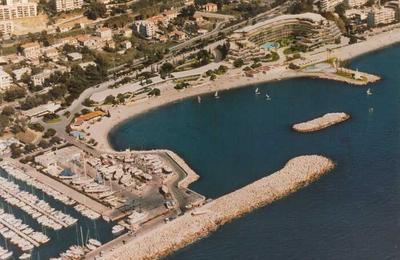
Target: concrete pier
19,233
320,123
166,238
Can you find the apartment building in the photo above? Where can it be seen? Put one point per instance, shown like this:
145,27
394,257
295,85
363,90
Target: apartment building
329,5
68,5
6,28
5,80
381,15
355,3
145,28
31,50
18,10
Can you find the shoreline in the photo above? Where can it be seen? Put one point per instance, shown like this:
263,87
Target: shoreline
232,80
297,173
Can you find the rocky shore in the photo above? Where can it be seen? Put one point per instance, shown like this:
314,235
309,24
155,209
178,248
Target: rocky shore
320,123
164,239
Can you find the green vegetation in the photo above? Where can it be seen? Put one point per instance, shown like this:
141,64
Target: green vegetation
155,92
182,85
238,63
96,10
36,127
51,118
49,133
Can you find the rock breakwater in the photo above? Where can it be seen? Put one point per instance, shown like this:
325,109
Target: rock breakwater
166,238
320,123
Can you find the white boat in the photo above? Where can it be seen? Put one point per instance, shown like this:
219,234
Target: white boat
369,92
216,94
25,256
6,255
94,242
198,99
257,91
117,229
268,97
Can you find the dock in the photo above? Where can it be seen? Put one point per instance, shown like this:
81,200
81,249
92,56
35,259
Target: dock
19,233
63,188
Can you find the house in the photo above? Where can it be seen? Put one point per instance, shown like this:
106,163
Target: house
104,33
18,73
126,32
145,28
31,50
88,41
5,80
84,65
177,35
126,44
67,40
210,7
42,110
74,56
50,52
88,117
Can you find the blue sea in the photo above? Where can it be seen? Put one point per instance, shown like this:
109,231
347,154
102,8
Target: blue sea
351,213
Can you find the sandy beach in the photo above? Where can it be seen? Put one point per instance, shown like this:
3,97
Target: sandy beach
234,78
297,173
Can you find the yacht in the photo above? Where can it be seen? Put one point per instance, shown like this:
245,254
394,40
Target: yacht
369,92
216,94
267,97
198,99
117,229
25,256
257,91
94,242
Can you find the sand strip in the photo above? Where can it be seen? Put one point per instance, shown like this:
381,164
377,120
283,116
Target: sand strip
320,123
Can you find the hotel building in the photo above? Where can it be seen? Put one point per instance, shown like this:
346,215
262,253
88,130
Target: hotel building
5,80
329,5
309,30
6,28
381,15
16,10
68,5
355,3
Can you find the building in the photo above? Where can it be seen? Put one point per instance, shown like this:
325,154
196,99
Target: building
68,5
126,44
329,5
104,33
16,11
74,56
6,28
42,110
50,52
309,30
31,50
5,80
355,3
210,7
18,73
381,15
145,28
59,157
88,117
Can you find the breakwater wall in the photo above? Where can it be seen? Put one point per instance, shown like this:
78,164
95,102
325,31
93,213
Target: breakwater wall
166,238
320,123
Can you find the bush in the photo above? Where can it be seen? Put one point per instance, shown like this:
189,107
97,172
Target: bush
155,92
49,133
238,63
36,127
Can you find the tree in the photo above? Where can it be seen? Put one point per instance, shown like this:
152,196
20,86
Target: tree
36,127
166,69
96,10
238,63
8,111
49,133
109,100
155,92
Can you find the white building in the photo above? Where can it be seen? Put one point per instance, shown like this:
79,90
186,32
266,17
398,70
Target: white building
329,5
42,110
18,73
145,28
5,80
355,3
68,5
19,10
104,33
381,15
6,28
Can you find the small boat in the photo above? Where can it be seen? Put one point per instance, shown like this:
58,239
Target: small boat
198,99
117,229
216,94
6,255
267,97
257,91
371,110
25,256
94,242
369,92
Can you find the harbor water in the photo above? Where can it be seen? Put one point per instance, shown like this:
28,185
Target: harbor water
351,213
